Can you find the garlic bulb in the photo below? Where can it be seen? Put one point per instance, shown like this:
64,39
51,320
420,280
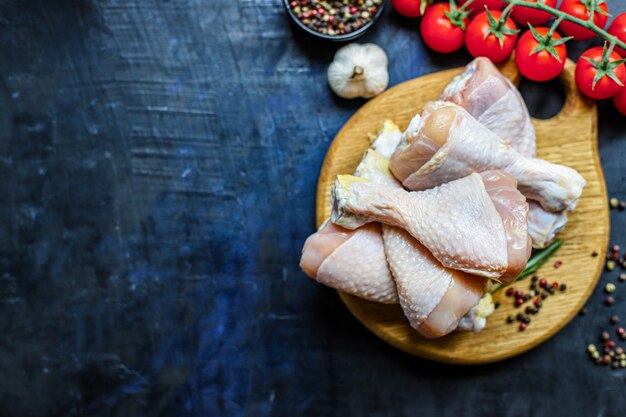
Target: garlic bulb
358,71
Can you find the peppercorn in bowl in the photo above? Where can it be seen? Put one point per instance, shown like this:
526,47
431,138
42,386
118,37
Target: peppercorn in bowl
335,20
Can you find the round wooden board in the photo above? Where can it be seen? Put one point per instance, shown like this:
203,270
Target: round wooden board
570,138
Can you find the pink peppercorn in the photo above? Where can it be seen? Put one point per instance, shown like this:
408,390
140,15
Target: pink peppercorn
543,283
519,302
509,291
620,331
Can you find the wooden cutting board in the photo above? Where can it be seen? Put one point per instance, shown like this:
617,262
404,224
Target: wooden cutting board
569,138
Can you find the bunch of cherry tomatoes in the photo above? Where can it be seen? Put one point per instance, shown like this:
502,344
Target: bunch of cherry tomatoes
540,53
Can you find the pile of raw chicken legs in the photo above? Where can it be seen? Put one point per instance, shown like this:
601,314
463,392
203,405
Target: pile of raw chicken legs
435,213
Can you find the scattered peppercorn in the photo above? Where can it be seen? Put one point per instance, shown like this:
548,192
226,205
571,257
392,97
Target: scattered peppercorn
510,319
620,331
604,336
609,345
610,265
622,277
518,302
533,286
522,326
595,253
614,319
509,291
535,278
615,248
619,351
519,294
609,288
583,311
614,202
563,287
609,300
558,264
555,284
527,297
606,359
496,304
622,205
544,295
592,348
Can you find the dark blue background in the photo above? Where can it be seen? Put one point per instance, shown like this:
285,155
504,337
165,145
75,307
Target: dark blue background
158,166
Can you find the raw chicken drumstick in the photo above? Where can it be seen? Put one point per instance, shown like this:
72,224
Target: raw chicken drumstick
474,224
451,144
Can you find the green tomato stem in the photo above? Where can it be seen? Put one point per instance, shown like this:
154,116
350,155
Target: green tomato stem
555,25
587,24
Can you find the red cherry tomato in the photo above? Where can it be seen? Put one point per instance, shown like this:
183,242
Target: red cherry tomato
620,101
525,15
480,42
618,28
542,65
585,74
478,6
439,32
579,10
410,8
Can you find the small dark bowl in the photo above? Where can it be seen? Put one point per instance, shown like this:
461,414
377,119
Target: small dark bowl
335,38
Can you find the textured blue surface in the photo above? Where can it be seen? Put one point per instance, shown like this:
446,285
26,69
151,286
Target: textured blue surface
158,165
